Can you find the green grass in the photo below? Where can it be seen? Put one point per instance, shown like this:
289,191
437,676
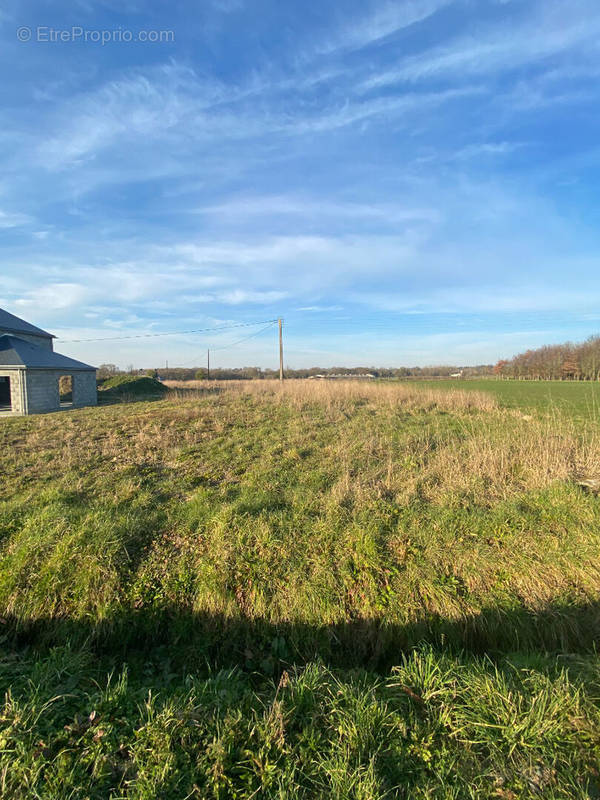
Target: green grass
131,387
575,398
438,725
334,591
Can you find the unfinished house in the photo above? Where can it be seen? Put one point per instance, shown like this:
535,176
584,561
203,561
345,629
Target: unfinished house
31,372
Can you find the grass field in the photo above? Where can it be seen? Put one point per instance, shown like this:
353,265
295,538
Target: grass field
327,590
578,399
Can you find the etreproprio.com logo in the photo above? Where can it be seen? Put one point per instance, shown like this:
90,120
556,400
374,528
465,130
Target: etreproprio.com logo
76,33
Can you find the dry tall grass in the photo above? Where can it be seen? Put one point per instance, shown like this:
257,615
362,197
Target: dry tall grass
336,392
492,451
487,452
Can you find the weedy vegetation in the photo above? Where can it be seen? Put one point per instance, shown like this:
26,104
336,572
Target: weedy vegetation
320,590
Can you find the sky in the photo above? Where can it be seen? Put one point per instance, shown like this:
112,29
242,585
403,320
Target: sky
404,183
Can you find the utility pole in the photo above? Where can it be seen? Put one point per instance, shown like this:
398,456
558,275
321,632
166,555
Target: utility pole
208,365
280,350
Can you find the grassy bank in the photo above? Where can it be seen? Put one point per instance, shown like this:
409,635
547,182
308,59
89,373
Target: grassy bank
263,562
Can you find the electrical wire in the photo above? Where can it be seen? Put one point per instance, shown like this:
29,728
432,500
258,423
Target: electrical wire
245,338
194,362
170,333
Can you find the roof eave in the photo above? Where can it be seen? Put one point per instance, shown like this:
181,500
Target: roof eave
41,334
66,370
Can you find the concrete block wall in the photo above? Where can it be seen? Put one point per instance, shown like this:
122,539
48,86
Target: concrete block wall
42,390
85,392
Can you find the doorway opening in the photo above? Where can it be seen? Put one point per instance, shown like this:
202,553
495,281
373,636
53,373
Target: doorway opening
5,396
65,390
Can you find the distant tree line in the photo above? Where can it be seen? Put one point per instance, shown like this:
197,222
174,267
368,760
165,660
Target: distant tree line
573,362
256,373
568,361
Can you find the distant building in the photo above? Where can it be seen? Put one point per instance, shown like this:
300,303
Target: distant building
342,375
30,370
354,376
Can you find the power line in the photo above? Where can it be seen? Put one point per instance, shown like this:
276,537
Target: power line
171,333
245,338
233,344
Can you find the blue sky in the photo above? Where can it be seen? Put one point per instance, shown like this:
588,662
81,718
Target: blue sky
404,182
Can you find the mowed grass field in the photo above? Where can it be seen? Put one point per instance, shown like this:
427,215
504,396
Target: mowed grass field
325,590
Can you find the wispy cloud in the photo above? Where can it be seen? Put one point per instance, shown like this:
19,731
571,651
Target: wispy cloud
380,21
121,111
13,220
172,106
269,206
491,149
543,34
320,309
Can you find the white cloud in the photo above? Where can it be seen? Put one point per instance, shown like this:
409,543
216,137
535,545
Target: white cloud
320,309
13,220
479,149
239,296
386,106
538,37
132,107
250,206
172,106
57,296
381,21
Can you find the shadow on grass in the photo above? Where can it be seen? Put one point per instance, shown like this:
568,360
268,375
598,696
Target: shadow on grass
194,639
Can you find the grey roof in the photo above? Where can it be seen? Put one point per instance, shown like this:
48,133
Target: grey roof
15,352
8,322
